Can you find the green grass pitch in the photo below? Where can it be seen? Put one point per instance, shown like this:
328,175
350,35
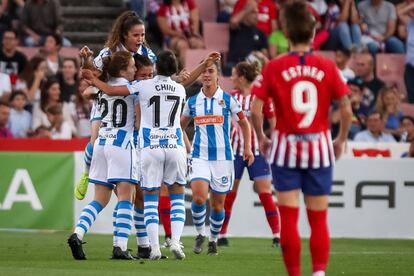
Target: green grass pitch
48,254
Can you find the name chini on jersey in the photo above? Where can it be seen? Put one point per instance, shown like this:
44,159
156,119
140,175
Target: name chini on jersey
212,119
161,100
118,117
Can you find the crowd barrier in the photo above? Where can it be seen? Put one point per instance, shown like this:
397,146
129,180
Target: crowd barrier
371,197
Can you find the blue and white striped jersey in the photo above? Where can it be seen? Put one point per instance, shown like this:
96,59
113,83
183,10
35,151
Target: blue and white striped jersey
105,52
118,117
212,120
161,100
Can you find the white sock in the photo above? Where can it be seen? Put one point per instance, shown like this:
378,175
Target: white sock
177,215
151,218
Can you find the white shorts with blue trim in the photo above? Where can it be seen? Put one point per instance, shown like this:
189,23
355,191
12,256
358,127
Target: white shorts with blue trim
218,173
138,162
112,164
163,165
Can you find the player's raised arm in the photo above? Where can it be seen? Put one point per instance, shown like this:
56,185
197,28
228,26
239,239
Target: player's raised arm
208,61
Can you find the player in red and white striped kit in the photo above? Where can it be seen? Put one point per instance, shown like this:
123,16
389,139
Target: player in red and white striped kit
243,76
302,86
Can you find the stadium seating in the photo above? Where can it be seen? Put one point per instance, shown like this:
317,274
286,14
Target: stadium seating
216,36
193,57
407,109
208,10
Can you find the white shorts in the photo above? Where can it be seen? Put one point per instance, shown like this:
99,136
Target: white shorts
218,173
112,164
160,165
138,155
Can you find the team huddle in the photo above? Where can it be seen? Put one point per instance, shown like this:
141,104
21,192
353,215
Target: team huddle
140,151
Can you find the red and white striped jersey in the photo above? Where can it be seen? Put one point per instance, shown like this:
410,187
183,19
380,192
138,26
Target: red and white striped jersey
303,151
237,139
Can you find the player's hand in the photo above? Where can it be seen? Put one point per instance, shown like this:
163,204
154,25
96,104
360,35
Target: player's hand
264,145
87,74
85,52
212,58
183,75
248,156
339,147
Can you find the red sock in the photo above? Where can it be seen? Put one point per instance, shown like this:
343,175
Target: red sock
164,207
228,206
289,239
271,211
319,239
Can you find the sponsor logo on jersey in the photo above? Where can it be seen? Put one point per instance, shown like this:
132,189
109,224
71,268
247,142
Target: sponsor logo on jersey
209,120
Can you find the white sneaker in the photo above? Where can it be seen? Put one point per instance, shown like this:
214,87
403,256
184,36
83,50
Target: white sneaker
177,250
168,242
155,253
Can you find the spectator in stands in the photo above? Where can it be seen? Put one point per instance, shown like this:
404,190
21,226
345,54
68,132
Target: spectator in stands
407,129
12,61
50,95
388,104
278,43
267,14
179,22
374,131
154,34
13,8
359,112
50,51
4,120
5,21
42,132
342,22
248,35
342,57
59,128
225,10
20,121
403,16
408,13
32,78
138,6
82,111
41,18
378,26
366,71
68,80
5,87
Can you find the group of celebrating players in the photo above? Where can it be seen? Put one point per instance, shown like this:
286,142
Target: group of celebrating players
139,149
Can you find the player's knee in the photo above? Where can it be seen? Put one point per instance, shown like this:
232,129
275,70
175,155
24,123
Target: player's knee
199,199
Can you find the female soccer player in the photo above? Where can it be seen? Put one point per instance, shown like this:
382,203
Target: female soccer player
212,158
302,86
114,160
243,76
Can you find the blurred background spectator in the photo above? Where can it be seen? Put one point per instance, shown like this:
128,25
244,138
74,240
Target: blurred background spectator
225,10
68,80
407,129
342,22
82,111
379,22
406,17
59,128
31,79
179,23
342,58
388,105
375,130
12,61
5,87
50,52
365,69
41,18
20,122
13,9
4,120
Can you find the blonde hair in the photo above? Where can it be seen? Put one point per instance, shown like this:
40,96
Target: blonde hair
380,104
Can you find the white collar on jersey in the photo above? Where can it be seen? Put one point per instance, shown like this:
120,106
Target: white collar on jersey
217,95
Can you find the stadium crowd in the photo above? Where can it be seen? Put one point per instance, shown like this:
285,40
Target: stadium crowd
42,97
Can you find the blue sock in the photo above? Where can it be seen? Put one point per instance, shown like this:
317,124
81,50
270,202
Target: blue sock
88,156
123,224
142,236
198,213
87,218
151,218
216,221
177,215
